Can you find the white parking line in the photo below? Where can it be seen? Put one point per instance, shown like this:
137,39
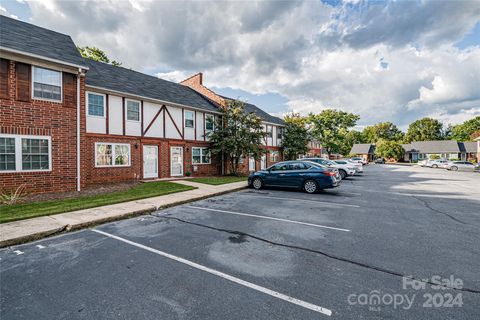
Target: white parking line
269,218
307,200
247,284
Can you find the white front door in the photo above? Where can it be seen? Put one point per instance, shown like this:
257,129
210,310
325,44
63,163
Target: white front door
263,162
176,161
251,164
150,162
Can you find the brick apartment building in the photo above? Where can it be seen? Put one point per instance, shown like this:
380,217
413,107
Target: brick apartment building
68,122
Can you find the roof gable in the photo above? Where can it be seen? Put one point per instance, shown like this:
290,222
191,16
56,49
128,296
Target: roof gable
251,108
436,146
132,82
22,37
362,148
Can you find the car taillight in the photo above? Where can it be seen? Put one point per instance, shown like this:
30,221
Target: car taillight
328,173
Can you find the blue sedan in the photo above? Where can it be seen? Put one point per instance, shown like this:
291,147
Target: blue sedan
304,175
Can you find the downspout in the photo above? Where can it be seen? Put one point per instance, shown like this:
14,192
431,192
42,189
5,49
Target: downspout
78,130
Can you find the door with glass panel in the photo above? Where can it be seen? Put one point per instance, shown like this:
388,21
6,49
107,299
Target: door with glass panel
263,162
150,161
176,161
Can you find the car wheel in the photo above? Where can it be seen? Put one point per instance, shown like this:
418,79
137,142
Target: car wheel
454,168
342,173
310,186
434,166
257,183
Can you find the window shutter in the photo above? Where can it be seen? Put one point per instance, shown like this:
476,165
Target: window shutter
23,81
69,90
4,78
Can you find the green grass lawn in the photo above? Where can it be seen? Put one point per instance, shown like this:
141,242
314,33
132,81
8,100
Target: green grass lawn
218,180
43,208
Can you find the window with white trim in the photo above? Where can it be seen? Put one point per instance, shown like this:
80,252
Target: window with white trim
269,131
112,154
189,119
209,122
273,156
279,132
24,153
133,110
96,104
200,155
47,84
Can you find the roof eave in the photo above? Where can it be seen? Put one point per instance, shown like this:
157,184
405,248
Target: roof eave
32,55
175,104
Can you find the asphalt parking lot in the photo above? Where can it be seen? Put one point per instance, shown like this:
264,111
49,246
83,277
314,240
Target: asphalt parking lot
269,254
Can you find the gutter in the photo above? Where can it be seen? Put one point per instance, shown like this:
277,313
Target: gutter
43,58
80,73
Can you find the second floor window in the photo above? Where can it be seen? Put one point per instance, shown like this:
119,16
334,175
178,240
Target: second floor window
269,131
96,104
133,110
189,121
209,122
279,133
47,84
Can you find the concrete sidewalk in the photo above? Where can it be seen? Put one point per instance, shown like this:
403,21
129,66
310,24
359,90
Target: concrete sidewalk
17,232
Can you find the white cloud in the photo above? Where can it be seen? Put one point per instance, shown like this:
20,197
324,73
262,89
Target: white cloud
4,12
387,62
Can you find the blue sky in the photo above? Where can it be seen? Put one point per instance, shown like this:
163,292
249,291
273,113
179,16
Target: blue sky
384,60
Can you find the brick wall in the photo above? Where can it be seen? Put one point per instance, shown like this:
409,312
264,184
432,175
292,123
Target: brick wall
36,117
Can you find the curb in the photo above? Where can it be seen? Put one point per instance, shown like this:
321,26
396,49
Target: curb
88,224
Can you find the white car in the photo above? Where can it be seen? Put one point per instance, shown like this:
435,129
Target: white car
358,166
439,163
461,166
358,160
343,169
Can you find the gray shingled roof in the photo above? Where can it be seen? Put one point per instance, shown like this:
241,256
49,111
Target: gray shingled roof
135,83
438,146
470,147
363,148
260,113
25,37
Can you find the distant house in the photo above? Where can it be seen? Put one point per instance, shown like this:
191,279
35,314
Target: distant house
447,149
419,150
364,150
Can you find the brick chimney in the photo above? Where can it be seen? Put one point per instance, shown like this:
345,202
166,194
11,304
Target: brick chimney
196,83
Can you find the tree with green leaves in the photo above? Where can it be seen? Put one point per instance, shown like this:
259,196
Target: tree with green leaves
462,132
237,134
96,54
330,126
351,137
424,130
295,136
382,131
389,149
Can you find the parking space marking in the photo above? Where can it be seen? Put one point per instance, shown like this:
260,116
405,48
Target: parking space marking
269,218
307,200
236,280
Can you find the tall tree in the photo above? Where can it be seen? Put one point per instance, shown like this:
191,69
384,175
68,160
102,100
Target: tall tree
330,126
237,134
96,54
350,138
295,136
389,149
462,132
382,131
424,129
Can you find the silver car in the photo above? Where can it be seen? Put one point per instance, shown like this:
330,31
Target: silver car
461,165
439,163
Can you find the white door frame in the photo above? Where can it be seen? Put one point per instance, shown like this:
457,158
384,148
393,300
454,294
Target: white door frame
251,163
155,174
171,167
263,162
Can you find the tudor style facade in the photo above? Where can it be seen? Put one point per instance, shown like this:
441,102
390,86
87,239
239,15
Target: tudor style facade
273,126
68,122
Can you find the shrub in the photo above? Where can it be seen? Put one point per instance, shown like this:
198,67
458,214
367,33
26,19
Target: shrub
14,196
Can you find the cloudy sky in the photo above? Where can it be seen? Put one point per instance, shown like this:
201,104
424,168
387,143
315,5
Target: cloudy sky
387,61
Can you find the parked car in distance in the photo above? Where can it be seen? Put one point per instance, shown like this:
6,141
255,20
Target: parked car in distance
461,166
423,163
358,166
343,170
380,160
360,160
304,175
437,163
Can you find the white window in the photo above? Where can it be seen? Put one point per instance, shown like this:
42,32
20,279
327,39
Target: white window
200,155
269,131
279,133
96,104
112,154
25,153
189,119
46,84
209,122
133,110
273,156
